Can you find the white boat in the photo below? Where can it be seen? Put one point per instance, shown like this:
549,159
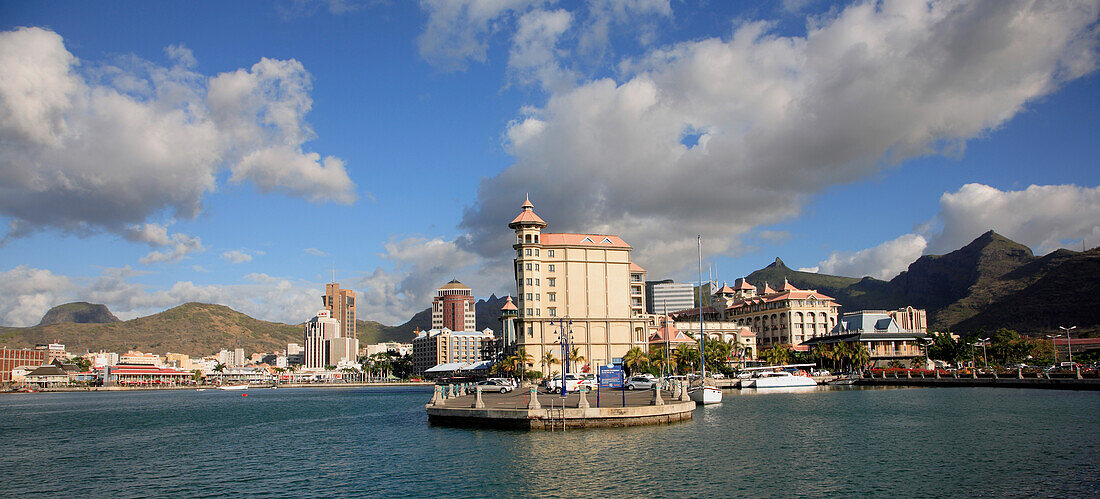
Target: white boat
233,387
779,379
705,393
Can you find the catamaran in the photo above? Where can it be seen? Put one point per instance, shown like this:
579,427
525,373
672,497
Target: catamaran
775,377
234,387
704,393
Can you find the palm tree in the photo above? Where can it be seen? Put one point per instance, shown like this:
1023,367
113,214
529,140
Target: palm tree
634,359
657,357
575,356
861,355
548,360
777,355
219,368
685,356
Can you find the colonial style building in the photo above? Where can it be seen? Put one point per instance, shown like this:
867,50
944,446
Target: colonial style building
588,279
787,316
453,307
879,332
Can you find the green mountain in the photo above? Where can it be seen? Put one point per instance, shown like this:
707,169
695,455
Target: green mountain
990,283
192,328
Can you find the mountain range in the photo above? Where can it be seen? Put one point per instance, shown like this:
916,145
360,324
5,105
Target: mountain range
990,283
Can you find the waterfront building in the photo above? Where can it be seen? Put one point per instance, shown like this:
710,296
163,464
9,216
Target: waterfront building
10,358
725,331
443,346
401,349
667,296
53,351
910,319
587,279
879,332
341,306
324,343
178,360
453,307
47,376
136,358
145,374
787,316
102,358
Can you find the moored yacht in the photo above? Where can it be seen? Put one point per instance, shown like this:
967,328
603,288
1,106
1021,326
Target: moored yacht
777,380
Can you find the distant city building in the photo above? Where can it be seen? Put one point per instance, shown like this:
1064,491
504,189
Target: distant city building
587,278
102,358
884,338
324,345
178,360
400,349
668,296
54,351
232,358
443,346
341,305
135,358
293,348
726,332
10,358
453,307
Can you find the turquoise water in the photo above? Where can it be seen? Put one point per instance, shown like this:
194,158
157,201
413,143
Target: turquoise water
376,442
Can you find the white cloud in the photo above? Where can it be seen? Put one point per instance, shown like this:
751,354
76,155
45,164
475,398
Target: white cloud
156,235
26,294
236,256
457,30
779,119
123,142
815,269
1043,217
883,261
315,252
534,58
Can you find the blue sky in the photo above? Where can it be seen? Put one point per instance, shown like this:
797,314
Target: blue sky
155,153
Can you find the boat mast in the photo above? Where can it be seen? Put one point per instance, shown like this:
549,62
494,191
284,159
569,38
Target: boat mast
702,338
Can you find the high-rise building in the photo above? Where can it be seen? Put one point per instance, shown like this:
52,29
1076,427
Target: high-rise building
443,346
588,279
453,307
10,358
341,306
324,345
667,296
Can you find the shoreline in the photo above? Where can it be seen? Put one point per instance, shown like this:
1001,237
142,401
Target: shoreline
91,389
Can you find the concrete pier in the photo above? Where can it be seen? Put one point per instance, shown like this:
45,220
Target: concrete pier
516,410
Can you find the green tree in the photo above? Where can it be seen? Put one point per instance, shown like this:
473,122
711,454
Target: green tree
860,355
634,360
917,362
685,357
575,357
548,361
777,355
219,367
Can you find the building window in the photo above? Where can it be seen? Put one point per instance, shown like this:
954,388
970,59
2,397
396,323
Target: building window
536,252
550,267
537,312
527,252
552,312
528,281
530,331
552,296
536,281
527,267
536,266
528,297
551,281
550,253
537,297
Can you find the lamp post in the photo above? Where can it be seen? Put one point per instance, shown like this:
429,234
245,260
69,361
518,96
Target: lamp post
927,344
1069,346
1054,348
565,356
985,359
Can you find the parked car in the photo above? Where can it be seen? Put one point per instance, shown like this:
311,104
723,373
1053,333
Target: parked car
820,372
572,382
640,383
507,381
495,386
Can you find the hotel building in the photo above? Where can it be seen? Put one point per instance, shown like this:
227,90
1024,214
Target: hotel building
885,339
341,306
453,307
443,346
588,279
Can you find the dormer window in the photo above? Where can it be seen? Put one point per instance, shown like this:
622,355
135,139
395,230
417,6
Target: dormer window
587,240
606,240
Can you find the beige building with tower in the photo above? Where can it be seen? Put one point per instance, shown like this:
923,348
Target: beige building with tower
588,279
341,306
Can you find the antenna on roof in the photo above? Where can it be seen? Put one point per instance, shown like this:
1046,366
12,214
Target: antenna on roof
334,270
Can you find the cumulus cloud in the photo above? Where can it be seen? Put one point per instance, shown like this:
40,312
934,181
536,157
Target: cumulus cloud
883,261
26,293
177,245
774,120
123,141
1042,217
315,252
532,58
236,256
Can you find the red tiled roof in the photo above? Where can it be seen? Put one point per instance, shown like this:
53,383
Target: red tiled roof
669,333
509,305
636,268
564,239
743,284
527,216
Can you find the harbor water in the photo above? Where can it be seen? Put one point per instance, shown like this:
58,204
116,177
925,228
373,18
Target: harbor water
350,442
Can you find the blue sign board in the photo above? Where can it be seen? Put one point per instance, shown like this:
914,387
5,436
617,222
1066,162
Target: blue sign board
611,377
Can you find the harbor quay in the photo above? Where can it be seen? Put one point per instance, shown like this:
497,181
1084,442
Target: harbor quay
549,411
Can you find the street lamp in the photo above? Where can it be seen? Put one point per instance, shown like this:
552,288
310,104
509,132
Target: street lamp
985,359
1054,348
927,344
565,337
1069,346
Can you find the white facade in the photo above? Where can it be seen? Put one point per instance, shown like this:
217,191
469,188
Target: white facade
671,297
318,332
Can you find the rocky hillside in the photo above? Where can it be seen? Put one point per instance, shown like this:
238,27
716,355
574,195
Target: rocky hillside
990,283
80,312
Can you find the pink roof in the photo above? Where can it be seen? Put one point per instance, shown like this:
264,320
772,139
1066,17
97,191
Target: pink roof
636,268
669,333
527,216
726,290
743,284
787,286
563,239
509,305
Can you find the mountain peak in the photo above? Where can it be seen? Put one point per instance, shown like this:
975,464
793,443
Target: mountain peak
79,312
778,264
